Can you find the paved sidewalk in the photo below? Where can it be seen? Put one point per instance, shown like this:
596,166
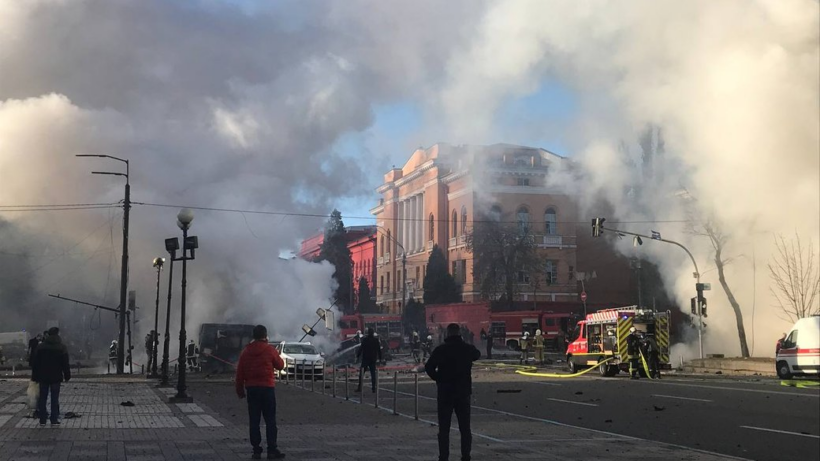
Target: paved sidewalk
312,427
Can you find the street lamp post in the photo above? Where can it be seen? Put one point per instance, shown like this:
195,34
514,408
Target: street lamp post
158,262
184,219
124,270
171,245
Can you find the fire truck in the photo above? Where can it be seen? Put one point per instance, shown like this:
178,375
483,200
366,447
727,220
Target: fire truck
602,335
506,327
388,327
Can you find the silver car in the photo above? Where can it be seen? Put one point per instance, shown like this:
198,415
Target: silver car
301,358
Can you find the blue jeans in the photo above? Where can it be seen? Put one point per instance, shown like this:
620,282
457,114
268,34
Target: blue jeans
262,403
55,401
372,367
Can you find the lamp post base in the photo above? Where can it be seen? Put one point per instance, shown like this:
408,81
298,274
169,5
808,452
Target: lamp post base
183,399
154,376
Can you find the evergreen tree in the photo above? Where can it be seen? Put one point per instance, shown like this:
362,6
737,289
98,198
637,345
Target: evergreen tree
439,285
334,250
414,319
366,304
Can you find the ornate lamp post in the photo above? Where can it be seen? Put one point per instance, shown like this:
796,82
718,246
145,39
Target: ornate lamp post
184,219
171,246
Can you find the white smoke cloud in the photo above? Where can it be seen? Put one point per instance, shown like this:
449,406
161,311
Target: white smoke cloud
732,83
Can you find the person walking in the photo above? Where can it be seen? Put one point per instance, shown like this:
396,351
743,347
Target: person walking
255,379
450,366
50,367
490,344
370,352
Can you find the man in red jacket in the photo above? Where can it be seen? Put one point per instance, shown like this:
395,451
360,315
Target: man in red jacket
255,376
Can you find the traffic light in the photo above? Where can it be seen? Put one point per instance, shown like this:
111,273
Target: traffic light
598,226
694,306
703,307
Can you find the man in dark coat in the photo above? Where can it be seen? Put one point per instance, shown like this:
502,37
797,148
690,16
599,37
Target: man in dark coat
450,367
50,367
633,350
371,353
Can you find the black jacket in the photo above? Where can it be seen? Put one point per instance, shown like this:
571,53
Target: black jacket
633,344
50,363
370,350
450,366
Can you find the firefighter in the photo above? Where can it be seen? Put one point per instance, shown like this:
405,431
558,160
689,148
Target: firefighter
525,344
538,345
649,349
427,347
415,346
633,350
112,352
191,354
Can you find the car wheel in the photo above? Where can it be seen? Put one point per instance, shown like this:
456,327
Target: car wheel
783,371
607,371
571,364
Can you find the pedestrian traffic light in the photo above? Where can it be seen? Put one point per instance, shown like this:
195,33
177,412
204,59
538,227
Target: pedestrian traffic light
703,308
598,226
694,306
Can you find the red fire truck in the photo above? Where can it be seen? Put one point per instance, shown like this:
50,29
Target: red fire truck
387,326
506,327
603,334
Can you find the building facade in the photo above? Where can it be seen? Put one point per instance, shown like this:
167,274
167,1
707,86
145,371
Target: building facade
434,199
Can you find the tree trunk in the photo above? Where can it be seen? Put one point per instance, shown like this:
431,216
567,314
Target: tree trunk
741,330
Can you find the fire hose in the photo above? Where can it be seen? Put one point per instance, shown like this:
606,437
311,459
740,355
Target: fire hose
559,375
221,360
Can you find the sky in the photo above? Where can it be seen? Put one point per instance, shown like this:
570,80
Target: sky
267,115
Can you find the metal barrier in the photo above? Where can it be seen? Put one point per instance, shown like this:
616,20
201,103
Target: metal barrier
334,381
377,390
416,397
312,376
347,383
395,392
304,361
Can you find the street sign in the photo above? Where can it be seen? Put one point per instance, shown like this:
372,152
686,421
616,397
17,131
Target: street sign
583,296
703,286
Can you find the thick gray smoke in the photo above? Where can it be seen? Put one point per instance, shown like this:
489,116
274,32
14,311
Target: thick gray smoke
240,104
734,86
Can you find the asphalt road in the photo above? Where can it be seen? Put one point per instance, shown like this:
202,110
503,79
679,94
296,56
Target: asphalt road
752,419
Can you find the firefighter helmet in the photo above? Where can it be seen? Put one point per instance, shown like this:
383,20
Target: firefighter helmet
429,337
537,332
632,330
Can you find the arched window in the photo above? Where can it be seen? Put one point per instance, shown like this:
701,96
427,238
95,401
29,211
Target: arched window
523,219
495,213
550,222
432,227
455,225
463,220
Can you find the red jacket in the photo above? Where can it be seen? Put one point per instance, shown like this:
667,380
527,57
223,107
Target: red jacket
256,365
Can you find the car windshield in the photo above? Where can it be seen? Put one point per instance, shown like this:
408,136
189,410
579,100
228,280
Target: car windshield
299,349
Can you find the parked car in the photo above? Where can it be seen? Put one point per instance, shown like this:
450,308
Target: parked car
300,358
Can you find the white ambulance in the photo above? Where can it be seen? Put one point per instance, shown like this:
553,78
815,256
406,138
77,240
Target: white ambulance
800,352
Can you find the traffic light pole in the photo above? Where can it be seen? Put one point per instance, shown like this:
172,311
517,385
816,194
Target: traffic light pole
699,286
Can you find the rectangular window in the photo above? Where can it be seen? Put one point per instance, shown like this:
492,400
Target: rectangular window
388,282
523,181
454,271
523,277
571,273
381,285
398,282
551,272
463,270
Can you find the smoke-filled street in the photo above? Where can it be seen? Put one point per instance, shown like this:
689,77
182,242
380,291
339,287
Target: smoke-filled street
199,198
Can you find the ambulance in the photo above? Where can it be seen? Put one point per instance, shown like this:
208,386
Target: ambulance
602,335
800,352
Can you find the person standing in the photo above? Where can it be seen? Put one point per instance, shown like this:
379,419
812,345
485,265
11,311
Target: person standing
490,344
525,344
255,379
779,344
50,367
149,349
538,346
191,354
450,366
32,346
633,349
370,352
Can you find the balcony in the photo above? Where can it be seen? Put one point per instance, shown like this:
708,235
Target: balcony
380,261
552,240
555,241
452,242
386,258
430,244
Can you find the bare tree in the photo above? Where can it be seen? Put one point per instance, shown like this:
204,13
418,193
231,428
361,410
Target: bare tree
719,239
795,278
503,254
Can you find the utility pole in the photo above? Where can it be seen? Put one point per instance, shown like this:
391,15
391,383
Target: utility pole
126,206
403,282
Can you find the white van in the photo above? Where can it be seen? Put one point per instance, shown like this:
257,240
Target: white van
800,351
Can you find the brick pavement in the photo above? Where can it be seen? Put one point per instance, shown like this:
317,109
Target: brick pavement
337,430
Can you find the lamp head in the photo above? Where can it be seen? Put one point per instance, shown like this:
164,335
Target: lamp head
185,217
171,244
158,262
